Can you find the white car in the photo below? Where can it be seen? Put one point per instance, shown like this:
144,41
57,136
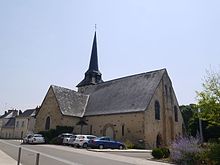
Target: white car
82,140
36,138
26,138
66,138
71,140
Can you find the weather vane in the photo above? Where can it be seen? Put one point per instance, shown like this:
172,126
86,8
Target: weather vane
95,27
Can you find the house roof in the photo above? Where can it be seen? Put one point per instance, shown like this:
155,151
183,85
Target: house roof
10,123
124,95
71,103
9,114
28,112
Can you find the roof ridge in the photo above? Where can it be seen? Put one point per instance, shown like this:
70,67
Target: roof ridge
55,86
131,76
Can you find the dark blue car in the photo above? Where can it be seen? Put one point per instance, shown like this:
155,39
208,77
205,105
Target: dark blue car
105,142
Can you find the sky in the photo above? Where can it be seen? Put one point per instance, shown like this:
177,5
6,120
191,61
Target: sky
45,43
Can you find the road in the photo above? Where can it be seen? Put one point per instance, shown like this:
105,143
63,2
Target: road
64,155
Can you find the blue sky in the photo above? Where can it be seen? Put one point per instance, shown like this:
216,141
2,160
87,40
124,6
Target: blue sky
49,42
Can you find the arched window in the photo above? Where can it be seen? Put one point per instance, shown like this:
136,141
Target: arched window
47,124
157,110
175,113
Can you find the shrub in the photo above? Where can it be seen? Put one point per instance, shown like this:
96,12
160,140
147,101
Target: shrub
129,144
166,152
214,154
162,152
185,150
157,153
52,133
54,141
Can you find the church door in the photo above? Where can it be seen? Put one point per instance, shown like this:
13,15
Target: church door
108,130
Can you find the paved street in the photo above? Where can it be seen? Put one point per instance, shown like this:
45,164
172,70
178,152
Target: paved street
63,155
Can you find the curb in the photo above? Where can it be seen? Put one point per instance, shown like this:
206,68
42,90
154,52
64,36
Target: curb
116,150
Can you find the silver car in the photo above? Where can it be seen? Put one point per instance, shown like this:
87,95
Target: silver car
82,140
26,138
36,139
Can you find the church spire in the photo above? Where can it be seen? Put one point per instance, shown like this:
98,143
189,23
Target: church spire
92,75
93,65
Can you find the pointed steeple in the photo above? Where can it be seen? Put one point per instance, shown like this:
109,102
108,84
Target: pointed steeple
93,75
93,65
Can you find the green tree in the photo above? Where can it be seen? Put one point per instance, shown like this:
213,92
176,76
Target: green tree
190,118
209,99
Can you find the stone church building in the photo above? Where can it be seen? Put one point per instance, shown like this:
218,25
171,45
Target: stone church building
139,108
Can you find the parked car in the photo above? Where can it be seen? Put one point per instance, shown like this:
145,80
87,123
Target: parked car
66,139
36,139
26,138
82,140
71,140
105,142
61,137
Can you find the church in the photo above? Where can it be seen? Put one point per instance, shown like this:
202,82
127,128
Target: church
140,108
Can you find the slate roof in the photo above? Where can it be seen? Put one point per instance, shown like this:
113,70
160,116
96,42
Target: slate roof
10,123
28,112
9,114
124,95
71,103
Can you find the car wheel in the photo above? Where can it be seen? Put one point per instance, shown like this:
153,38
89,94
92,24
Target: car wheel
121,147
85,145
101,146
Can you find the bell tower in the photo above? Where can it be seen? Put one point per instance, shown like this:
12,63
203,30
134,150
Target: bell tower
93,75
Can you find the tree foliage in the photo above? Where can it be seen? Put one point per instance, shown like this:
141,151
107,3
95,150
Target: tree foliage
190,118
209,99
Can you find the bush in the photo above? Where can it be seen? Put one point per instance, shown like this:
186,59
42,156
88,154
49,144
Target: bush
186,150
54,141
166,152
129,144
157,153
162,152
52,133
214,154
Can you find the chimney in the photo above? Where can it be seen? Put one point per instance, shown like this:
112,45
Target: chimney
20,112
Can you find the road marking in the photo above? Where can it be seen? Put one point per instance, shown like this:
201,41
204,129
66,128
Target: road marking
49,156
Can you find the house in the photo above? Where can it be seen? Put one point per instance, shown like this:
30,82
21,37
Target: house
141,108
6,123
24,123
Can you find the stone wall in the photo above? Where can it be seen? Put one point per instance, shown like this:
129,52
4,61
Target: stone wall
7,133
50,108
121,127
167,128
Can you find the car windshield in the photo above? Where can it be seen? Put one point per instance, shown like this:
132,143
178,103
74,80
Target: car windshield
104,138
91,137
37,135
